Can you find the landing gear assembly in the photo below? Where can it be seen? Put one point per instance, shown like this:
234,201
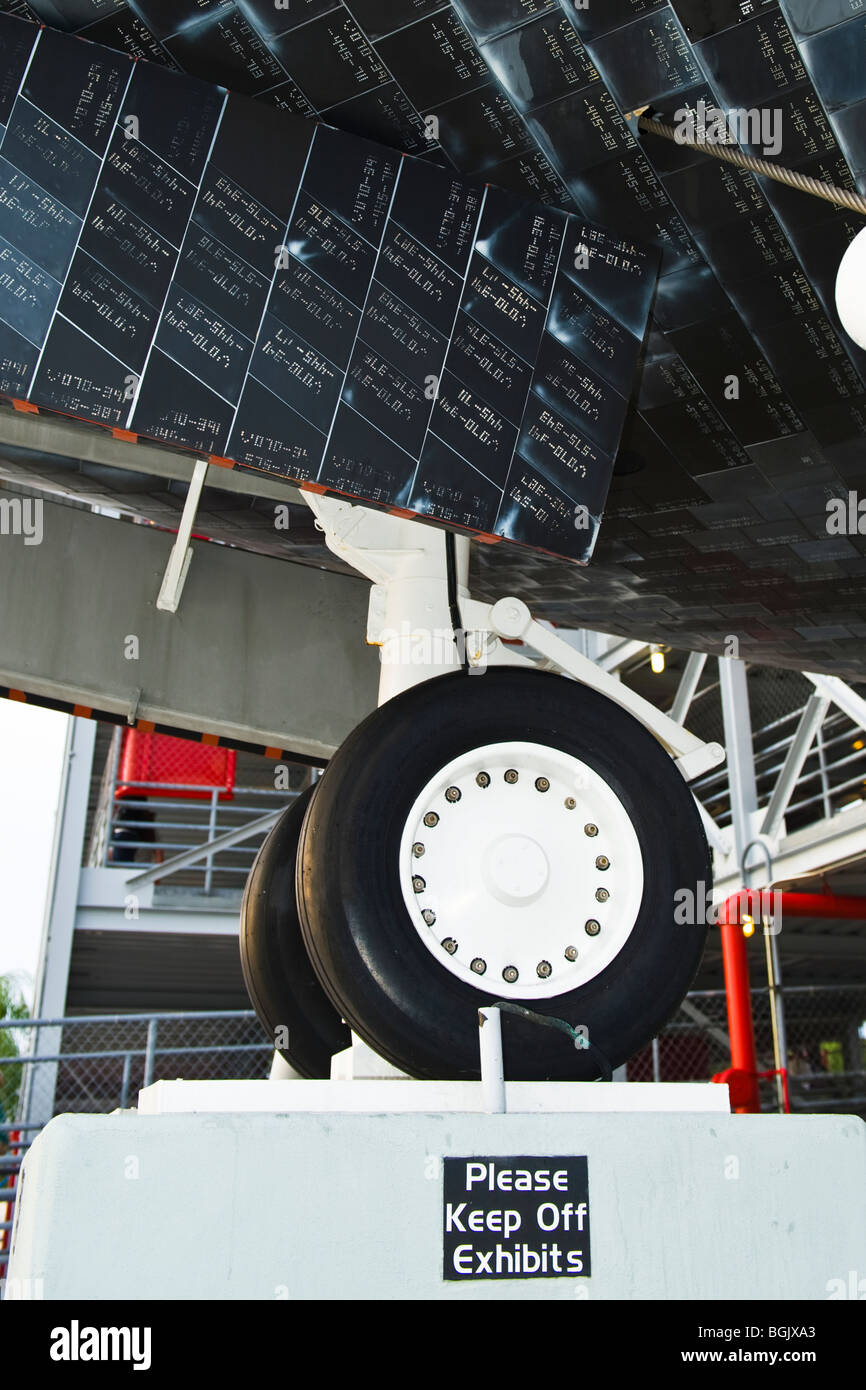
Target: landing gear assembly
519,836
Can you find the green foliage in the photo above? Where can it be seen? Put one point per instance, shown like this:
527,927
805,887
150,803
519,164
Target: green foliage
12,1005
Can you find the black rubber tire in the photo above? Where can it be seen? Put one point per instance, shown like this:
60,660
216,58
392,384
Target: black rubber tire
282,985
376,970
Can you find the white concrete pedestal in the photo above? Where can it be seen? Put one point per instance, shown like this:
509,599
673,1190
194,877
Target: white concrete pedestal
307,1199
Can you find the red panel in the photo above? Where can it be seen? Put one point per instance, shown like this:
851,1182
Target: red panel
159,758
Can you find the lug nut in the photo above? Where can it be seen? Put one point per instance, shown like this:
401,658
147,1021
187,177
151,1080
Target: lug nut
483,779
449,945
571,953
418,849
570,803
511,776
478,965
452,794
602,862
592,928
418,884
431,818
542,784
510,974
429,916
601,895
543,969
590,830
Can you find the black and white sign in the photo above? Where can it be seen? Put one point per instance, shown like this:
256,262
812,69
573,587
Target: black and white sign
515,1218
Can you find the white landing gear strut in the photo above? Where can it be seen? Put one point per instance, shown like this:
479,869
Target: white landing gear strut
421,635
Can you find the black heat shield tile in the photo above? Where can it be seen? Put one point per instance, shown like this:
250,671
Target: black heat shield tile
748,394
353,318
813,16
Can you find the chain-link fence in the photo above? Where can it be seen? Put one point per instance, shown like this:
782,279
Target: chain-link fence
100,1062
825,1044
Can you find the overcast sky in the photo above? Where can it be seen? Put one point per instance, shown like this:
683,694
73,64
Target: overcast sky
32,741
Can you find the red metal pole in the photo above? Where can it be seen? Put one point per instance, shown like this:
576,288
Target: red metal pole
823,905
739,1000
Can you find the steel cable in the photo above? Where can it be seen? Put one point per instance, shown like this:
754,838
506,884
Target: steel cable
842,197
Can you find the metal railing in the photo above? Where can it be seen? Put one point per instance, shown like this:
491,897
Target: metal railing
98,1062
203,843
833,772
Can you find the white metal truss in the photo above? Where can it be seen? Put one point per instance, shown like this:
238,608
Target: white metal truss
842,695
757,850
510,619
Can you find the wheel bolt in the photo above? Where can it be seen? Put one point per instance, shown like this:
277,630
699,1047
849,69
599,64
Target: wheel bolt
602,862
418,849
544,969
511,776
542,784
449,945
429,916
483,779
590,830
510,974
478,965
601,895
592,928
418,884
452,794
570,803
431,818
571,953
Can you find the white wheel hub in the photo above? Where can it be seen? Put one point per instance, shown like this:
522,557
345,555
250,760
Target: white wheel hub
515,869
521,870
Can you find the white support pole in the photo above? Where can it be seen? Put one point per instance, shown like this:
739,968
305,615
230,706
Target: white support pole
741,757
687,686
490,1048
409,616
617,656
810,721
181,553
841,695
52,980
